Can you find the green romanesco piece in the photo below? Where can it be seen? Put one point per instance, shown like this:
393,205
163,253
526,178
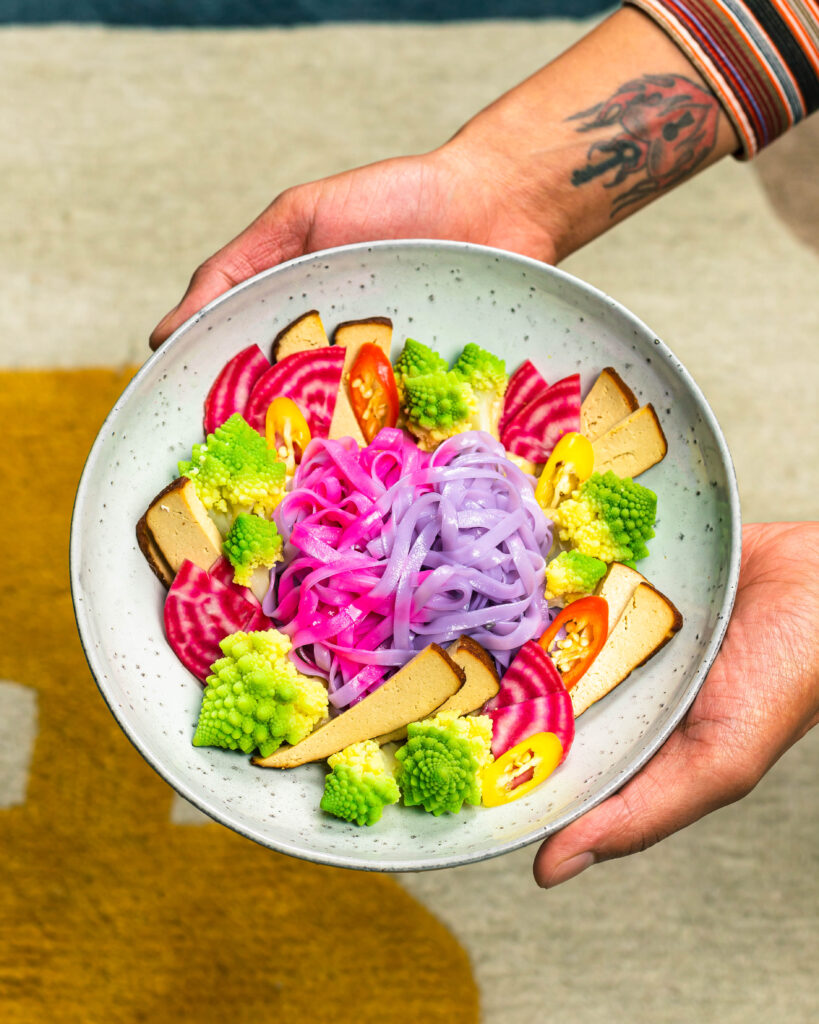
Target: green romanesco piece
252,542
437,406
486,374
255,698
439,767
360,784
608,517
573,574
416,360
235,471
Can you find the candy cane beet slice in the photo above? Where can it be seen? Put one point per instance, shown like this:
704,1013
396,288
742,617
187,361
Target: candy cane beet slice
231,389
536,429
199,612
532,674
517,722
310,379
524,386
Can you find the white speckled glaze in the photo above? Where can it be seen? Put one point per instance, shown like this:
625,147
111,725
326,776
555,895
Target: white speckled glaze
445,294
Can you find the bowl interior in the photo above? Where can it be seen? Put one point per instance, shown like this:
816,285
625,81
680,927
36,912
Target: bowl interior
445,294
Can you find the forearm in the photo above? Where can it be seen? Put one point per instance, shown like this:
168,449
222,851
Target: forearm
615,122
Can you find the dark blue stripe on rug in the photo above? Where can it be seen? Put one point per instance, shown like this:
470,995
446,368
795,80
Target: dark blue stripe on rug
223,13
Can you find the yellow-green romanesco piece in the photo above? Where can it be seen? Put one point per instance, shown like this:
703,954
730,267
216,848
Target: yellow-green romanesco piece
255,698
439,767
608,517
437,406
573,574
360,784
416,360
252,542
486,375
235,471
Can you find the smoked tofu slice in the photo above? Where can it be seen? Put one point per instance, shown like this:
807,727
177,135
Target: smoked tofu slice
177,526
631,446
414,692
481,684
647,624
616,587
155,558
302,335
609,401
351,335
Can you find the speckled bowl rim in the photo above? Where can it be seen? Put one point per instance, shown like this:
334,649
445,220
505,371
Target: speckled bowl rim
180,784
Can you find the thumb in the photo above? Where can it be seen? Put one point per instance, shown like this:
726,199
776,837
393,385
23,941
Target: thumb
278,234
683,782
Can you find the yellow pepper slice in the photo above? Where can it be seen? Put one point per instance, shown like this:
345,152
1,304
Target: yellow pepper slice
286,429
571,462
520,769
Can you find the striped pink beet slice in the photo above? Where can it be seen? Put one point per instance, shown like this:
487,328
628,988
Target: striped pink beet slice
532,674
536,429
231,389
517,722
524,386
310,379
223,571
199,612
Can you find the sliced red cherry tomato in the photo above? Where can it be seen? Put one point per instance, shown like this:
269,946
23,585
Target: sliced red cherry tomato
586,624
520,769
373,394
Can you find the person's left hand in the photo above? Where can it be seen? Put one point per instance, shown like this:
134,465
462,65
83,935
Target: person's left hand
760,697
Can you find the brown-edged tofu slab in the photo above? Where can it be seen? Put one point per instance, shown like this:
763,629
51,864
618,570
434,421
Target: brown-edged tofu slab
481,684
351,335
616,587
609,401
301,335
154,557
177,525
414,692
647,624
631,446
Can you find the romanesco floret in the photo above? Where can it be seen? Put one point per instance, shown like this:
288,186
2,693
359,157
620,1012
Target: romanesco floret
255,698
416,360
234,470
252,542
439,767
486,374
573,574
360,784
609,517
437,406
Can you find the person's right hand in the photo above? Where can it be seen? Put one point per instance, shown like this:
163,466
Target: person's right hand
454,192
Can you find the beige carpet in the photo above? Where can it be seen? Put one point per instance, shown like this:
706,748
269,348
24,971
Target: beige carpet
127,157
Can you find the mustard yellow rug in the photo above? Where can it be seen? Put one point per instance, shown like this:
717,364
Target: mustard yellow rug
108,911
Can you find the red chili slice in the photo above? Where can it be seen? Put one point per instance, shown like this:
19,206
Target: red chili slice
373,394
586,618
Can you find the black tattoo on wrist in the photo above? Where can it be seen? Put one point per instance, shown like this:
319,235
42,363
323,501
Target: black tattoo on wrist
666,126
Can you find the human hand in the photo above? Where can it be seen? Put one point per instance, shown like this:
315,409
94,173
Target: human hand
760,697
456,192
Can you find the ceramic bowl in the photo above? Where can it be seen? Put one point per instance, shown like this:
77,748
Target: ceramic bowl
445,294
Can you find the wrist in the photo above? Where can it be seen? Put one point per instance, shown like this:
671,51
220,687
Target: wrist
613,123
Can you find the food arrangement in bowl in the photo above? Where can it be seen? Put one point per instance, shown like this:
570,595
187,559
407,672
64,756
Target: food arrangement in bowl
447,296
419,572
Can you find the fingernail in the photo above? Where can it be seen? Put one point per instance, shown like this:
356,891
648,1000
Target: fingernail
569,869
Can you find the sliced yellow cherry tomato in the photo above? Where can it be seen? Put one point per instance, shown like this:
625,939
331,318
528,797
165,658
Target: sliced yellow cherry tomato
520,769
571,462
286,431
